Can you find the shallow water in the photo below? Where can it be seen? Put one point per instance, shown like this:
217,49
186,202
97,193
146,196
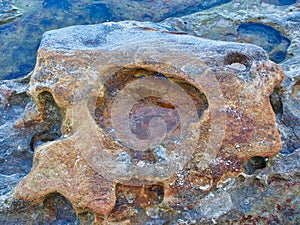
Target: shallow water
265,36
22,23
20,38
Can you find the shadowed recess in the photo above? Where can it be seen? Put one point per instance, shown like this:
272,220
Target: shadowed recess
254,163
52,121
139,195
276,102
144,110
235,57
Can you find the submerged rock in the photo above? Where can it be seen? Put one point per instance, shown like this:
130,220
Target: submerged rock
154,10
8,11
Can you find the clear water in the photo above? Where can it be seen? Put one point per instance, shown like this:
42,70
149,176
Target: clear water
270,39
22,23
20,38
21,29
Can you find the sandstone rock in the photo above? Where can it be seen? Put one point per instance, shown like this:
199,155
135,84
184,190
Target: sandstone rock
143,106
267,195
225,22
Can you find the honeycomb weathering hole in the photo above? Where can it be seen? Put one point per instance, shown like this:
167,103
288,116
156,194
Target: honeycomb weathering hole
53,116
235,57
254,163
147,109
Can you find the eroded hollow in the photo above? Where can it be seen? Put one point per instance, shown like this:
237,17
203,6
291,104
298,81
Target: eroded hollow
61,209
237,58
146,109
276,101
50,129
254,163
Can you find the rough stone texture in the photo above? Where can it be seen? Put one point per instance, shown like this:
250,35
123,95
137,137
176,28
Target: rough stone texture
17,153
223,23
267,196
87,67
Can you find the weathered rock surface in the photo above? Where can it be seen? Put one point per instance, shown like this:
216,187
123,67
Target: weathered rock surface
274,26
97,74
268,195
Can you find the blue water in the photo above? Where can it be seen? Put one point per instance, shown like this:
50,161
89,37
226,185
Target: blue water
20,35
20,38
281,2
267,37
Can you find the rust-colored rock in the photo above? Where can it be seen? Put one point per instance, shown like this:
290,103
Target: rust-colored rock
144,106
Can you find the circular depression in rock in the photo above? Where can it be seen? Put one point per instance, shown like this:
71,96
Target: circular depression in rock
145,110
267,37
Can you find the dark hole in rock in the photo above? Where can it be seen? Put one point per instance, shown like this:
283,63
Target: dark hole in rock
236,58
276,102
280,2
254,163
62,210
147,17
56,209
267,37
241,178
50,129
145,109
140,196
41,138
